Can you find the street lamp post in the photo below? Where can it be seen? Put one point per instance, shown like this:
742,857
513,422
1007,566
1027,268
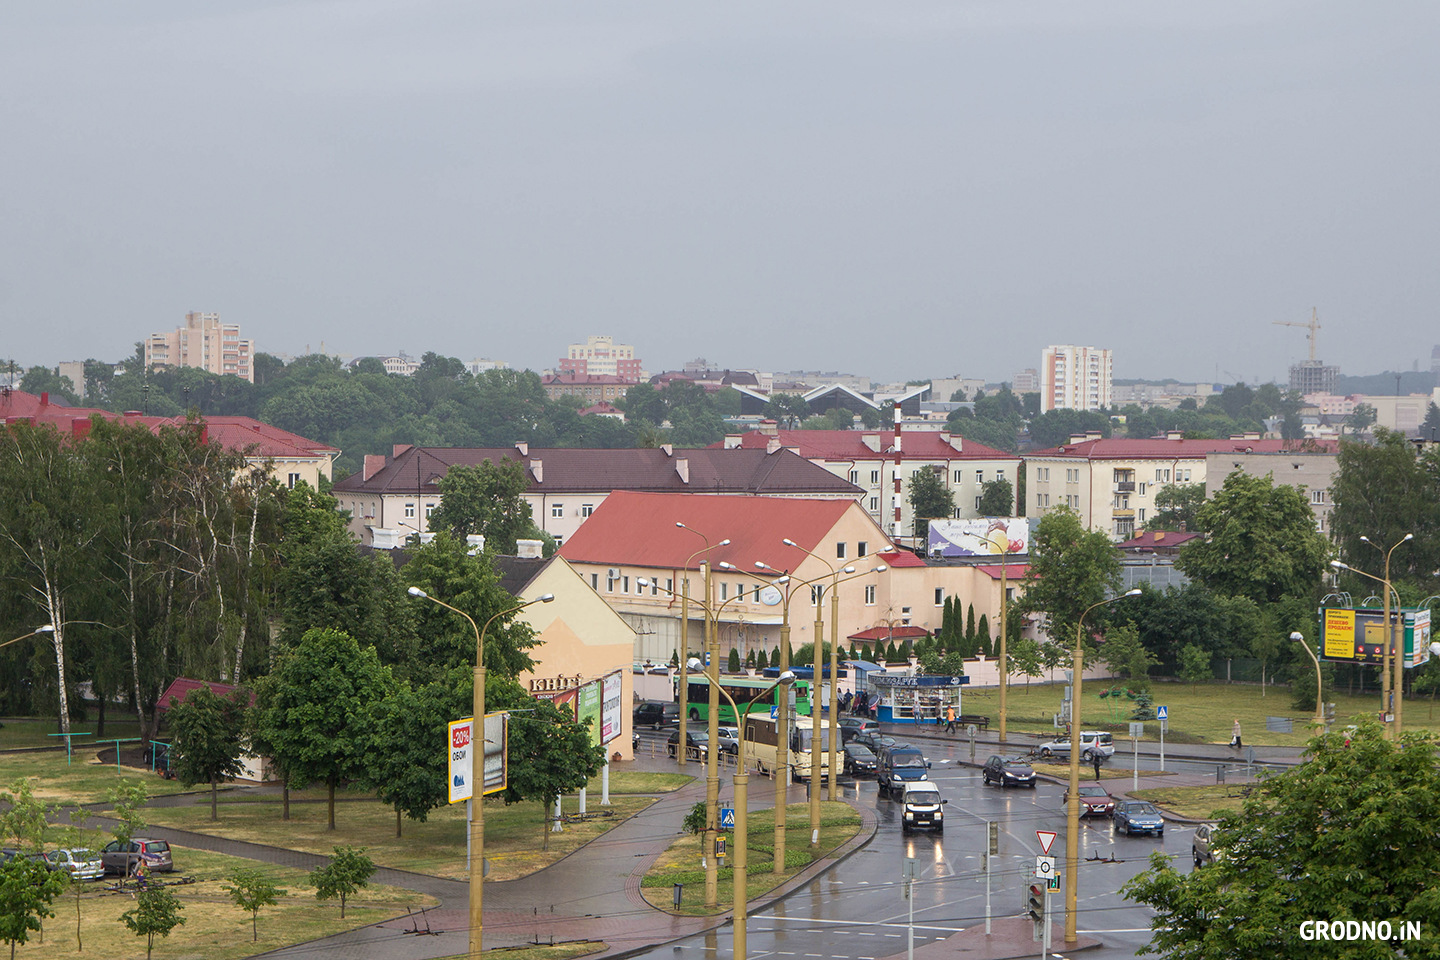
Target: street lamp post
712,773
685,624
1072,811
834,716
1299,638
46,628
477,822
1392,684
1004,633
739,869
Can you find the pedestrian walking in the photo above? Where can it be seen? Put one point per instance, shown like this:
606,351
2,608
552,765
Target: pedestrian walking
1095,759
950,719
1235,734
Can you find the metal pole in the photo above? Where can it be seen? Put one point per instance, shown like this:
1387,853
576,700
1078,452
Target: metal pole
683,692
817,688
1004,639
742,840
1135,760
987,887
712,771
1163,724
834,714
782,744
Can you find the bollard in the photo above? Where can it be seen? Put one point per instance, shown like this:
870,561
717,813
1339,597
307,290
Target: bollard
679,889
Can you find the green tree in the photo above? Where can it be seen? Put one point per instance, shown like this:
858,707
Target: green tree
1176,505
929,499
1362,418
126,800
1071,568
403,766
550,753
314,709
23,817
1430,426
1383,491
348,871
997,499
488,499
1316,842
1260,541
209,736
732,662
1194,663
1127,656
251,891
156,911
27,888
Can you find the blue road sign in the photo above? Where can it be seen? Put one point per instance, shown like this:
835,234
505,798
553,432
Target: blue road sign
774,711
727,818
1162,713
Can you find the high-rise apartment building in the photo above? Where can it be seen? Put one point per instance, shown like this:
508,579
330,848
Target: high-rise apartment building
602,356
1074,378
206,343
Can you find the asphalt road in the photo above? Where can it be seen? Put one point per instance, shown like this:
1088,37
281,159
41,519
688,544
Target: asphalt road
857,910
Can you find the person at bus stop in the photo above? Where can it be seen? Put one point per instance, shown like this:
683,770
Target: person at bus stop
950,719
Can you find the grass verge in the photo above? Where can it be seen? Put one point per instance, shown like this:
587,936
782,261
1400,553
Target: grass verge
215,929
517,841
1196,803
78,782
681,862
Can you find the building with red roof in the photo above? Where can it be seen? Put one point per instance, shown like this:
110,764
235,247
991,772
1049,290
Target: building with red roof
661,539
1112,483
291,457
881,463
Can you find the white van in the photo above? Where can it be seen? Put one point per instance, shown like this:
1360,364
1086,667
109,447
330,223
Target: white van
922,806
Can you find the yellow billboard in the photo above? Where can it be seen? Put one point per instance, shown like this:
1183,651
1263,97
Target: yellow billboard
1339,634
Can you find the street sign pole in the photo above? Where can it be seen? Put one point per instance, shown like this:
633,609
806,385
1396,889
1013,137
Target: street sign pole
1163,714
1045,934
910,896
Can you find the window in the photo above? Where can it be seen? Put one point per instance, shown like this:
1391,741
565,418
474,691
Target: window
957,514
624,584
291,480
939,596
410,511
862,549
740,590
905,615
1042,499
587,509
724,588
999,474
814,593
977,504
854,476
979,476
1072,475
1317,496
429,509
595,581
1162,476
1186,472
1141,489
959,477
669,585
557,510
870,595
1140,515
654,588
874,504
874,476
609,584
840,550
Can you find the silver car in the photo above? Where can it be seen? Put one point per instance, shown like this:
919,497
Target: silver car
79,863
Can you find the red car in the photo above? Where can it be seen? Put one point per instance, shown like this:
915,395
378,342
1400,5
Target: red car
1094,801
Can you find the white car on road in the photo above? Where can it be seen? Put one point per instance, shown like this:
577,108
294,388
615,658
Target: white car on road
1092,742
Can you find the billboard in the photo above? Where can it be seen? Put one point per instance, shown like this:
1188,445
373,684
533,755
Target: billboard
494,763
599,702
1358,635
978,537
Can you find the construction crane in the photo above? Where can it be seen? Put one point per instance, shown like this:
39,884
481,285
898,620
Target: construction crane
1313,325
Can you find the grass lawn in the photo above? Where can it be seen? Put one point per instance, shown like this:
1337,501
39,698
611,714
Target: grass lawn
1199,712
516,840
681,862
215,929
639,781
82,781
1197,803
34,731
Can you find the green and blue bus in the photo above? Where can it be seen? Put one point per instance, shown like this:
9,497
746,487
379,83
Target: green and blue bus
758,692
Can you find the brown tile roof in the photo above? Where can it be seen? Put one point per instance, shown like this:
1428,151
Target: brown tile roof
584,470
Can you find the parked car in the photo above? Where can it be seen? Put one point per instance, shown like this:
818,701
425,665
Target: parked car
860,760
1008,772
1137,816
121,858
1091,743
656,713
921,806
79,863
727,739
697,743
1202,846
1095,801
851,727
875,740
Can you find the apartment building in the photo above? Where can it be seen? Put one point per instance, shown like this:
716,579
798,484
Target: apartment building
205,343
593,387
601,355
1112,483
881,463
1074,378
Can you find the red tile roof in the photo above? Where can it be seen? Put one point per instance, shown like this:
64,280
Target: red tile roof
182,687
902,558
850,445
1013,571
236,433
638,530
585,470
1160,448
889,633
1158,540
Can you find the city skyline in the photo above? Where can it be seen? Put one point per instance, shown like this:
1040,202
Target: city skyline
815,186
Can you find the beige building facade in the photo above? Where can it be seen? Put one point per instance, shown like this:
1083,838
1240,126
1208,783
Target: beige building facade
205,343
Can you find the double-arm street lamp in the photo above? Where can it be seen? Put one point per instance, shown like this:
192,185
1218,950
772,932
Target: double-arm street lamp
477,776
1392,678
1072,812
685,624
740,875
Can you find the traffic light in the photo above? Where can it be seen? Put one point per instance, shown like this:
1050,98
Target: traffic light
1035,902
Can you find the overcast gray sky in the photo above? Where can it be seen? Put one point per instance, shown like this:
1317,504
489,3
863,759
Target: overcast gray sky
900,189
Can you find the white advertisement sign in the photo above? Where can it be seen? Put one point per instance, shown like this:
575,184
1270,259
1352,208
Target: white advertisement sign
461,767
462,736
979,537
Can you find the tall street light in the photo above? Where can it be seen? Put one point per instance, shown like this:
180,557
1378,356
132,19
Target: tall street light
739,868
1299,638
782,727
1004,632
47,628
477,822
834,675
1072,812
685,622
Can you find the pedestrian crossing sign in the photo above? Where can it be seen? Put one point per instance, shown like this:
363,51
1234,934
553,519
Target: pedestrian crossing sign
727,818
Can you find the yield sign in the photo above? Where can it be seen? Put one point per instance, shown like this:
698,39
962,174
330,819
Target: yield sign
1047,837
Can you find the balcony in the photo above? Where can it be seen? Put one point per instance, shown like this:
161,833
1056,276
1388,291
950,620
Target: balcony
1120,513
1124,486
